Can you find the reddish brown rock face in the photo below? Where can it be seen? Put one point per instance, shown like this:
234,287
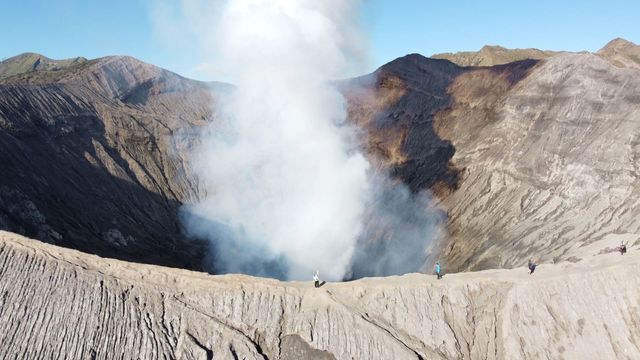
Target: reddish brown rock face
518,154
368,100
396,107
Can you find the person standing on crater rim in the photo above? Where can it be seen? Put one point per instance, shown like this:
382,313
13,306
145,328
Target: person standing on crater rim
438,271
622,248
316,279
532,266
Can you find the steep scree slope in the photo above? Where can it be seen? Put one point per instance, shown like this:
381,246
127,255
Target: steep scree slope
528,159
550,163
92,157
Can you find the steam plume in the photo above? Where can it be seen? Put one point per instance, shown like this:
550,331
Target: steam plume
288,189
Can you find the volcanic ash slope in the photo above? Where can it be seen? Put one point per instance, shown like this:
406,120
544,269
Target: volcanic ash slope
61,303
552,166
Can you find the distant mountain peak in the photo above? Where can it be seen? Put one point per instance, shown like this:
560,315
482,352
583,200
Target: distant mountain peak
493,48
621,53
30,62
490,55
414,66
618,43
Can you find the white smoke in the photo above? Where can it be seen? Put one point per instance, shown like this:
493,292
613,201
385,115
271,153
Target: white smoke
402,231
287,189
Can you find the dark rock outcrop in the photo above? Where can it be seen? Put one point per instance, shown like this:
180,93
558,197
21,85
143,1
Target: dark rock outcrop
396,106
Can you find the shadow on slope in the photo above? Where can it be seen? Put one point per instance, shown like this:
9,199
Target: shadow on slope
64,182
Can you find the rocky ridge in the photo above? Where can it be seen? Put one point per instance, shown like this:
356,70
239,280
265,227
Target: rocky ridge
621,53
59,302
30,62
112,131
528,159
490,55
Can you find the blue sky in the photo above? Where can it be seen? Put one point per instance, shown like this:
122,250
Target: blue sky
68,28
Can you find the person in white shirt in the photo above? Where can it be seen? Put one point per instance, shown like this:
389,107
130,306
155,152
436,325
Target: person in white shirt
316,279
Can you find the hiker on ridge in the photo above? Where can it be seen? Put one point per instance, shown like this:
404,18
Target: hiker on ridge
622,248
438,271
532,266
316,279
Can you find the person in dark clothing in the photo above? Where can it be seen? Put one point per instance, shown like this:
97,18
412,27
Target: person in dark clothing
622,248
532,266
316,279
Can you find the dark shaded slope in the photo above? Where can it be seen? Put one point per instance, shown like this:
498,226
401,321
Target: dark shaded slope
94,158
418,113
396,106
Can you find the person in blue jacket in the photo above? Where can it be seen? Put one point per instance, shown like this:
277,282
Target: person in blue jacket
532,266
438,270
